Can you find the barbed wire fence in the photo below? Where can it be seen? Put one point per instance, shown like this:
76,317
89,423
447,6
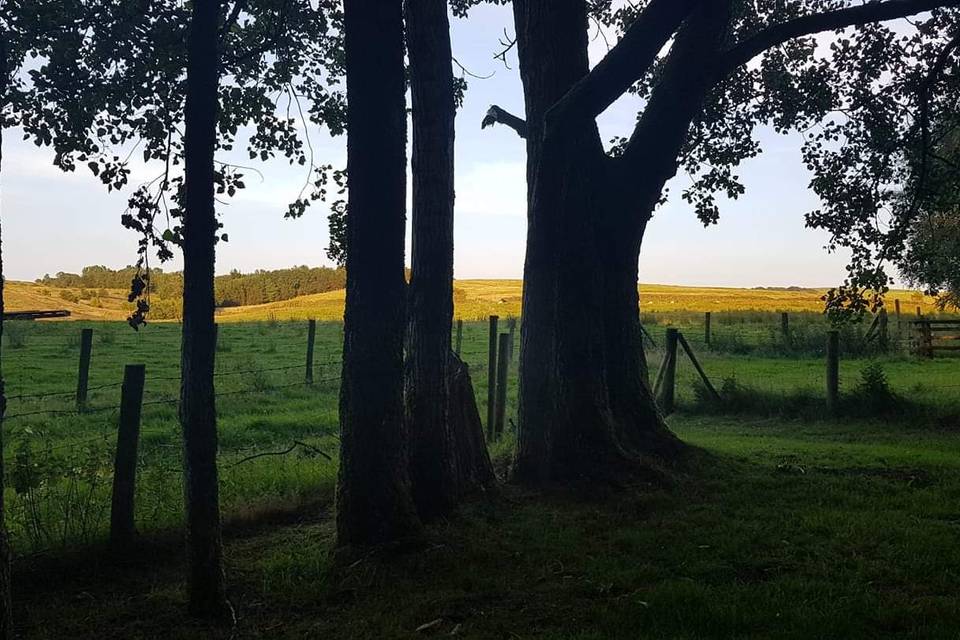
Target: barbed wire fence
793,351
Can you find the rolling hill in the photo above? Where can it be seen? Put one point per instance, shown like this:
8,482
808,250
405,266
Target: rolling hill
474,299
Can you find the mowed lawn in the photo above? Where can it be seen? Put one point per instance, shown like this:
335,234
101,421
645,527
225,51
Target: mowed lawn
781,521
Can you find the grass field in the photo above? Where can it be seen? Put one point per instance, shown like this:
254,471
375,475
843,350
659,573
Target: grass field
474,300
771,528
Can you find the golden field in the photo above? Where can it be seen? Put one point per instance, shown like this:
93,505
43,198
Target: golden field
474,299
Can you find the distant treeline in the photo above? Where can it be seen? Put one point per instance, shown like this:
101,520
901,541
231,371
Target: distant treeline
232,290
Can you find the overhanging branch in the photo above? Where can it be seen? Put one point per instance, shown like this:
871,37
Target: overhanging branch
625,64
826,21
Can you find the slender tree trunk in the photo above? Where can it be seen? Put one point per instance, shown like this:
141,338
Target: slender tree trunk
374,504
6,613
198,415
445,461
585,408
430,311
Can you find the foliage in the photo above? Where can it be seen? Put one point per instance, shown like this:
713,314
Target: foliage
109,82
16,333
232,290
932,258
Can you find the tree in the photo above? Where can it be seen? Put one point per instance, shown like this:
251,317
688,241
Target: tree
586,412
932,256
373,493
443,466
6,612
118,74
198,417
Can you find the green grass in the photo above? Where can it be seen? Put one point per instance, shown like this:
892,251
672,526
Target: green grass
771,529
783,522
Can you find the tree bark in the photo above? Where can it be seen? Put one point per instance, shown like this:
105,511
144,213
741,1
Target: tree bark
471,459
6,612
374,504
586,411
198,418
430,310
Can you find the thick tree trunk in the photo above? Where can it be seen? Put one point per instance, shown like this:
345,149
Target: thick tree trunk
373,495
198,416
430,311
586,412
6,614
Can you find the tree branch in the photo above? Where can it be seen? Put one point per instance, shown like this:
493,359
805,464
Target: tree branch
827,21
651,156
624,65
496,115
231,20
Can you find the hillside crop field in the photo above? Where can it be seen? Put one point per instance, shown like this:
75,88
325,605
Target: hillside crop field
770,527
473,299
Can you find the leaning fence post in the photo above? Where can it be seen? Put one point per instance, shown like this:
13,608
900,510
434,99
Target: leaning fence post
696,365
311,338
883,332
706,328
459,336
83,375
669,380
503,370
125,464
492,377
833,370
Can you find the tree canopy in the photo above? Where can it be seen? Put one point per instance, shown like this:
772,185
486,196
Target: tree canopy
102,83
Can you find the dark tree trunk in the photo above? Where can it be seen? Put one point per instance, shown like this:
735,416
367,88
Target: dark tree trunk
586,411
445,459
198,416
430,311
6,615
374,504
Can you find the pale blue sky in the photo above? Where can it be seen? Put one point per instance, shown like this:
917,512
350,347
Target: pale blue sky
62,222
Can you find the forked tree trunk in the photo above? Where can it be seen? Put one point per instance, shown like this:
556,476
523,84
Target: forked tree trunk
430,300
6,614
198,416
373,494
586,412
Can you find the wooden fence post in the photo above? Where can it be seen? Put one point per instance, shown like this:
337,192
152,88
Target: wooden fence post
512,330
707,335
83,375
492,376
668,385
503,371
785,327
311,338
833,370
125,464
882,328
919,311
459,346
926,339
896,304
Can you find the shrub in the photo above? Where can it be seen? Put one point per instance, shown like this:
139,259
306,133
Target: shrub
16,334
873,394
69,296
